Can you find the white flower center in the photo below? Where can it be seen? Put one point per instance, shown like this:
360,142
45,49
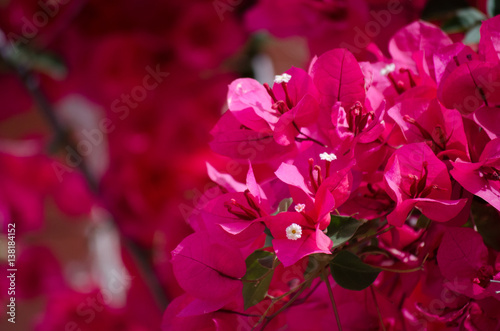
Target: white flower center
294,232
300,207
285,78
388,69
328,156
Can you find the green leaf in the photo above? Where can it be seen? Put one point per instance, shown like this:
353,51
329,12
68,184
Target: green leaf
283,206
493,7
423,222
258,277
464,20
351,273
342,228
472,36
267,262
269,237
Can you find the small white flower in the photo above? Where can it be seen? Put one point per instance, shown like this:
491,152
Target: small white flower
285,78
328,156
294,232
300,207
388,69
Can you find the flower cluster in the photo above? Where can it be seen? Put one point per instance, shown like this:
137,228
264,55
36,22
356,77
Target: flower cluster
119,77
359,194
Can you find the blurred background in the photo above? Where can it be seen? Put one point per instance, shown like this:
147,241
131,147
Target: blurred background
105,114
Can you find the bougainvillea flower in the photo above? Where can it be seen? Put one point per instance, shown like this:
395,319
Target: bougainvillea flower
372,140
235,214
231,138
288,106
489,45
471,85
339,78
251,105
298,102
175,318
415,177
233,218
483,177
369,200
410,72
359,129
207,270
173,322
463,260
300,233
309,177
448,58
426,120
488,118
417,37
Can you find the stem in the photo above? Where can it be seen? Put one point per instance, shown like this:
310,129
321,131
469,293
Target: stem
32,85
274,300
330,294
378,308
285,306
302,286
304,299
399,271
372,236
147,272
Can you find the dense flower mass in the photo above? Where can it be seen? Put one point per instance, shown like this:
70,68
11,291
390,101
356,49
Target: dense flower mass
368,198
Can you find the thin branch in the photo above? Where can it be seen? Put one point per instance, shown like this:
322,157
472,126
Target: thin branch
31,84
285,306
62,136
330,294
378,308
304,299
390,227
